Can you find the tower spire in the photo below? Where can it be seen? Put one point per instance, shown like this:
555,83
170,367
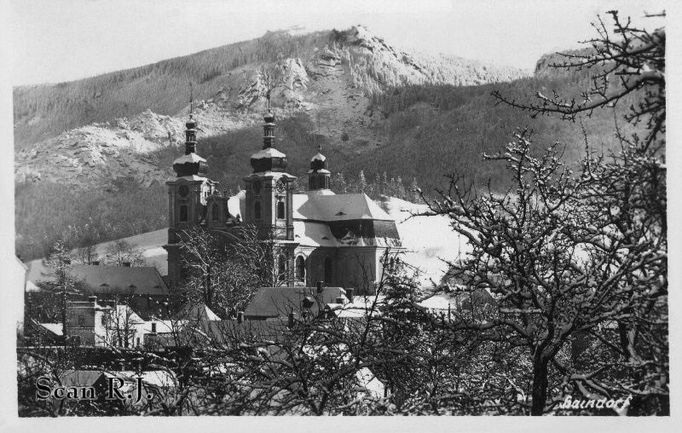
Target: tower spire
191,125
269,128
190,163
191,100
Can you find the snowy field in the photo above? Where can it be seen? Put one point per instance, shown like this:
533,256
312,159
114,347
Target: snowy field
428,241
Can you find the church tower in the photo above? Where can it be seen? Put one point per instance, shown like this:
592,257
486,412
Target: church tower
187,195
318,175
269,189
269,202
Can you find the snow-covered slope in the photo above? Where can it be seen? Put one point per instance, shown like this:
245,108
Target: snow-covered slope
429,241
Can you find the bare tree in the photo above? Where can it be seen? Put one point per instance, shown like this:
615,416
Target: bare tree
569,254
622,61
121,252
224,269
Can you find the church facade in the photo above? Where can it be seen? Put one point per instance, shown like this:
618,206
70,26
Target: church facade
343,240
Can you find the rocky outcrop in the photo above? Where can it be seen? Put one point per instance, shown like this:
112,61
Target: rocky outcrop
98,154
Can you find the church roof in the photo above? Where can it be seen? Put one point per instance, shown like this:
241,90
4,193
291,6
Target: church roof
191,158
337,207
270,152
314,234
318,157
325,219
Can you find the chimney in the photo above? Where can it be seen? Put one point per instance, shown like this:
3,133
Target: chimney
290,322
92,300
320,286
154,327
240,316
126,264
349,294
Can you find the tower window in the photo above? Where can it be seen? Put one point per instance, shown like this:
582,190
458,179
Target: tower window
300,268
256,210
280,209
215,212
183,213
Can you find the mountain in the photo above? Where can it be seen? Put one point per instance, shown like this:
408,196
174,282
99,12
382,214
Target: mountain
393,115
105,122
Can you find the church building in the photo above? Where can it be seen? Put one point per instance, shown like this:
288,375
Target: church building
339,239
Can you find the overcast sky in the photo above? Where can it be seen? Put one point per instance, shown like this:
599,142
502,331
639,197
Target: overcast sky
69,39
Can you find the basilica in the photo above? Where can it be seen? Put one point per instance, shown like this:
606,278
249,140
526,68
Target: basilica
341,240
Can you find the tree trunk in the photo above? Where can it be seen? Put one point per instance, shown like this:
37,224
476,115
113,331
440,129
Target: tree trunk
209,293
539,385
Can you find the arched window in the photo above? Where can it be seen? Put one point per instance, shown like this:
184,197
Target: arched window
215,212
328,270
183,213
300,268
280,209
256,210
282,268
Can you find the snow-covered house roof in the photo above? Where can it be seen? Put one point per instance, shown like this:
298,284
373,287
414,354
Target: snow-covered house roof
55,328
272,302
369,384
197,312
120,279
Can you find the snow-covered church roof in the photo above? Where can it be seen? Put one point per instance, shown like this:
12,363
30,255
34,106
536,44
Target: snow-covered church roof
337,207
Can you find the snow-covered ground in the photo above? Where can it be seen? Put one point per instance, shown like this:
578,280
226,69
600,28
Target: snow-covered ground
428,240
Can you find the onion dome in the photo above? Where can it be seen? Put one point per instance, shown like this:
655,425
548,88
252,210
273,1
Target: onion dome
190,163
268,159
318,175
318,162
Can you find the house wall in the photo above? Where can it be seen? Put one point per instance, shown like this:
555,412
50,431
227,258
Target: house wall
87,323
